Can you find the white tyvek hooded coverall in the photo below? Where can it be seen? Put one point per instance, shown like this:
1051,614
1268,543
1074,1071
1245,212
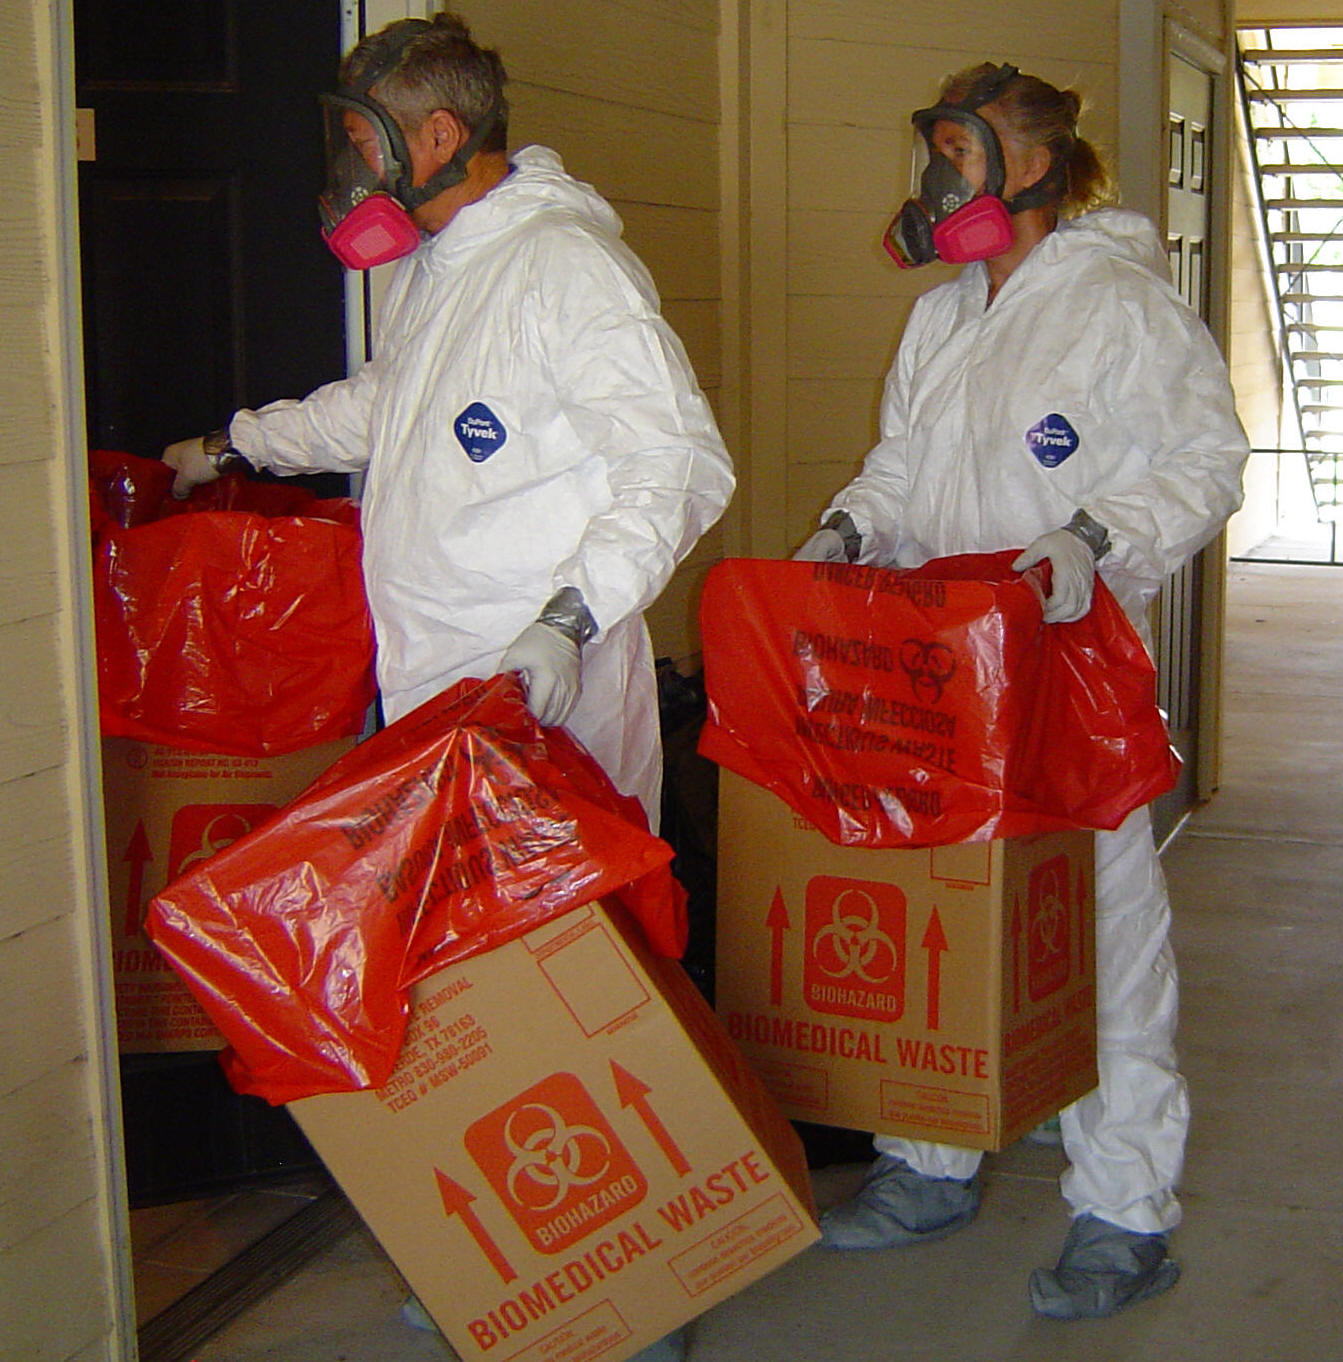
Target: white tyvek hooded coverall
528,422
1088,383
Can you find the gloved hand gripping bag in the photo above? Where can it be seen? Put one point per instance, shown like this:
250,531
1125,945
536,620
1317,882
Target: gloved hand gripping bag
455,829
919,707
233,622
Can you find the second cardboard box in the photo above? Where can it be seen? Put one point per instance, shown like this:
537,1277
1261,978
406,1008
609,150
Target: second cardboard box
943,993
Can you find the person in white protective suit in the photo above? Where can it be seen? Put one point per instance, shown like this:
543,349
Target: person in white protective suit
1057,394
538,454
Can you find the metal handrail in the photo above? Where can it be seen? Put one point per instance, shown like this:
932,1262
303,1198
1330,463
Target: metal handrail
1336,482
1269,273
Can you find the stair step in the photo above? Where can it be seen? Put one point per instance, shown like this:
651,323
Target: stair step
1279,95
1306,135
1267,56
1283,205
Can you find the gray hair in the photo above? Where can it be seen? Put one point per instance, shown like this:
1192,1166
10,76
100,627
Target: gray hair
429,64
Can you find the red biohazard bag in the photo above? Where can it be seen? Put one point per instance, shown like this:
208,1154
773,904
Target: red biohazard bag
234,621
932,705
455,829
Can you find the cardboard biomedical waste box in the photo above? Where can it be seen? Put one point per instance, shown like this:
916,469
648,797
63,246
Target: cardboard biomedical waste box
571,1158
165,809
941,993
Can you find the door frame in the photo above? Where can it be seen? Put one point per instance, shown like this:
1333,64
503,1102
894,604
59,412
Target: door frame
1147,39
86,792
96,986
1179,41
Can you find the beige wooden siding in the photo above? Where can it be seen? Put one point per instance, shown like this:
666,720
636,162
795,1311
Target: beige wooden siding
856,70
1263,13
628,95
55,1221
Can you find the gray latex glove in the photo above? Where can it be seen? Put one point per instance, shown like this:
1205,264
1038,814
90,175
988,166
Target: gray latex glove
825,546
837,541
193,466
549,664
1072,574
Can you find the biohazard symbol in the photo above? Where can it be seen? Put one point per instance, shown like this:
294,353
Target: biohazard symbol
551,1157
220,832
929,667
1049,918
853,937
1049,928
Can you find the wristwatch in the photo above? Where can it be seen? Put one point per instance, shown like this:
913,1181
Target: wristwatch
1091,532
219,451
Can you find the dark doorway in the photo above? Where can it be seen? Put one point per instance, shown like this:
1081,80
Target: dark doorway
206,288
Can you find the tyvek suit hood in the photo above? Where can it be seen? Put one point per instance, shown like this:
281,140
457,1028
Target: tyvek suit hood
528,422
1111,231
537,182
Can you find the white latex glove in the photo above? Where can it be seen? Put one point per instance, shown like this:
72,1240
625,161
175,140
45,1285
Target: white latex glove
1072,574
548,662
188,459
825,546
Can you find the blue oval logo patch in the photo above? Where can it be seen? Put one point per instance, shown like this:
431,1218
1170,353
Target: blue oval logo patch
1052,440
480,432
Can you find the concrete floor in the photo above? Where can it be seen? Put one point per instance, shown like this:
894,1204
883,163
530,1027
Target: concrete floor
1255,876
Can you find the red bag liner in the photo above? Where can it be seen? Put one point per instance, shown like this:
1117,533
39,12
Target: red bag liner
455,829
232,622
931,705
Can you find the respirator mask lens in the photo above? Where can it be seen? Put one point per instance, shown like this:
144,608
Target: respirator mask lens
947,217
363,222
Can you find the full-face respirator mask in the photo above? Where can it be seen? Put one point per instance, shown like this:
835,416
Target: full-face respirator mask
369,197
950,219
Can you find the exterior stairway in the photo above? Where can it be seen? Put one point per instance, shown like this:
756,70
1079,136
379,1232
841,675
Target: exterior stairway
1293,102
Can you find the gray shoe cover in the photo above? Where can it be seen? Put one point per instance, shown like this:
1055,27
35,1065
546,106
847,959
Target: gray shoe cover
670,1348
1102,1269
414,1314
896,1205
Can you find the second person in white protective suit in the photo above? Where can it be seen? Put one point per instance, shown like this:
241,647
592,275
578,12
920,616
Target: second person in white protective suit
1057,394
538,454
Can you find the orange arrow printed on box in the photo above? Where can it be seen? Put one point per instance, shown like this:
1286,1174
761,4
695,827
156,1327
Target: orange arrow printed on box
1016,953
457,1201
138,855
934,942
777,922
1081,919
633,1092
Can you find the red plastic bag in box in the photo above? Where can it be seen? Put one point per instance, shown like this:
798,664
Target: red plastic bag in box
232,622
918,707
455,829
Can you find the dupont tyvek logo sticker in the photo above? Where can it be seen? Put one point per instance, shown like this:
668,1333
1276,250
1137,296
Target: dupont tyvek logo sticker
480,432
1052,440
